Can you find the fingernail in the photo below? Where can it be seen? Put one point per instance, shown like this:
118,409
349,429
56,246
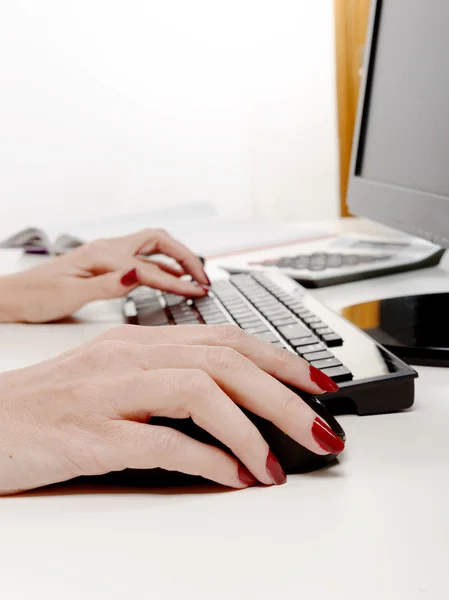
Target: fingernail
207,278
274,469
246,477
322,380
202,287
326,438
129,278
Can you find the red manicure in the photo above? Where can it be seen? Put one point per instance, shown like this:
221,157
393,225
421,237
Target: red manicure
207,278
202,287
274,469
246,477
326,438
129,278
322,380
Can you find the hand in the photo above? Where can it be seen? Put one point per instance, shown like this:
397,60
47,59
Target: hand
103,269
89,411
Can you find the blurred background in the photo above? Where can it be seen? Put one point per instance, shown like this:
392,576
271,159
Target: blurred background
111,107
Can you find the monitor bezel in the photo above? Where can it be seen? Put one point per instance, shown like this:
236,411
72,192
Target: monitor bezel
419,213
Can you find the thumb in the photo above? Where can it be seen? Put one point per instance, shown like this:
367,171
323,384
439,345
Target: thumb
111,285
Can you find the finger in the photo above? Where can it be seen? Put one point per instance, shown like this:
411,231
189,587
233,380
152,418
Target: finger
111,285
183,393
154,277
120,282
148,447
163,242
171,268
279,363
244,382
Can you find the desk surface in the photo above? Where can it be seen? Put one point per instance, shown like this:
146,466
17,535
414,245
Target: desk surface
374,526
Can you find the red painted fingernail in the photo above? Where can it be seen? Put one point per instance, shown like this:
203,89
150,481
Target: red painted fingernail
274,469
246,477
322,380
203,287
129,278
326,438
207,278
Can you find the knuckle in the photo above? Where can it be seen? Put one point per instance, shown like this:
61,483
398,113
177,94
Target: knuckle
165,443
104,352
161,232
289,403
280,360
251,439
154,232
223,358
196,384
229,334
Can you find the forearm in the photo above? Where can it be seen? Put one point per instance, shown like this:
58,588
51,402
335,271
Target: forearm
8,299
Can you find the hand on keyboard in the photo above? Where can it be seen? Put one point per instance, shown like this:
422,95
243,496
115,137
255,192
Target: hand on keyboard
89,411
99,270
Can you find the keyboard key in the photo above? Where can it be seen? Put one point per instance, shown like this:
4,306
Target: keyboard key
210,314
187,320
243,310
152,316
283,321
311,348
323,330
267,337
332,339
257,329
173,299
316,355
293,305
152,320
317,326
303,314
305,341
317,266
249,322
215,320
340,373
327,363
290,332
275,313
310,320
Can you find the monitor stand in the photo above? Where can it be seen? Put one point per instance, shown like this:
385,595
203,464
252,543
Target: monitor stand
414,328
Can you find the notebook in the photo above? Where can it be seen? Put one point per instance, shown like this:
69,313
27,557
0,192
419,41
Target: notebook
36,241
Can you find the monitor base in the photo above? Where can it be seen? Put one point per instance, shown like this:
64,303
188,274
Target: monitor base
415,328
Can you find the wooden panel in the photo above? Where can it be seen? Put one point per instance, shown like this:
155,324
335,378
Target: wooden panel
365,316
351,20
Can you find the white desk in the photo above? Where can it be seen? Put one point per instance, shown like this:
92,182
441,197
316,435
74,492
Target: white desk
376,526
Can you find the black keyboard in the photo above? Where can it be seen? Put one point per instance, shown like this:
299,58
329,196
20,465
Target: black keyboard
277,310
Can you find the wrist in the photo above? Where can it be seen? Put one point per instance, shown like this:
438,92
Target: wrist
9,299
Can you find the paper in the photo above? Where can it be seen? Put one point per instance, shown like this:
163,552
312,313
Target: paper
199,227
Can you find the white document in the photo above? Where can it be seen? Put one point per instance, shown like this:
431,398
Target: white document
198,226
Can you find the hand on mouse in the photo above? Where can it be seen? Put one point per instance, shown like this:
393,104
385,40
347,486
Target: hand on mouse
89,411
99,270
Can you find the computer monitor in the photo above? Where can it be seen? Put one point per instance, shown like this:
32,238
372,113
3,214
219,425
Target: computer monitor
400,161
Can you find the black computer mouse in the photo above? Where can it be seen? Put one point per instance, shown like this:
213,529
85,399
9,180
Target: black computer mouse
293,457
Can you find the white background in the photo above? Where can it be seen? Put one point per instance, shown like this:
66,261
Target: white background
122,106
